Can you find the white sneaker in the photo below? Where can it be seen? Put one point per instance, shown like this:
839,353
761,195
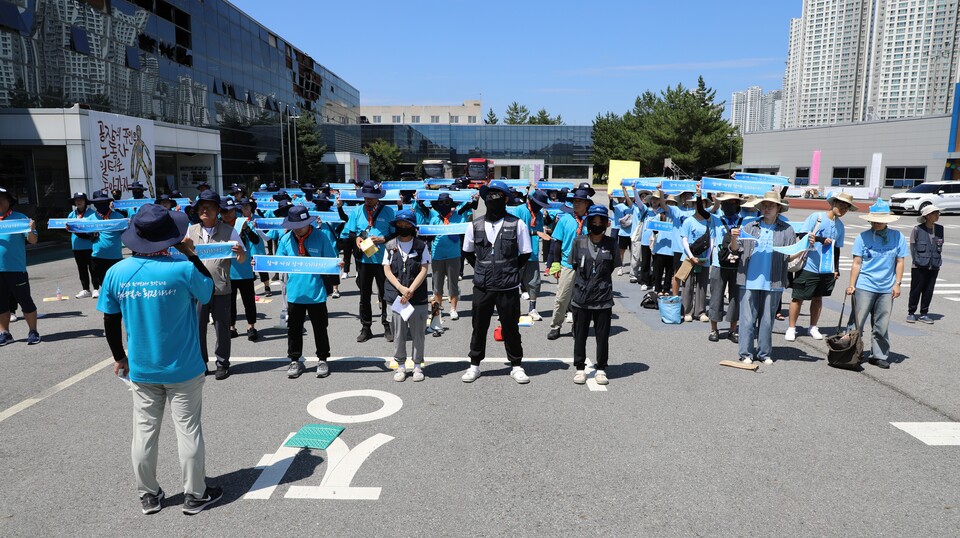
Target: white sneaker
520,376
524,296
768,360
580,377
569,318
535,316
454,315
344,275
417,375
688,318
746,360
95,294
601,378
633,279
643,287
400,375
83,294
620,271
815,333
470,376
791,334
704,318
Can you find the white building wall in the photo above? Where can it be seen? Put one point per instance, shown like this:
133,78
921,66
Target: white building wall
469,113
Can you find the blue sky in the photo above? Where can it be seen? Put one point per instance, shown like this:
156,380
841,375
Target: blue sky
576,59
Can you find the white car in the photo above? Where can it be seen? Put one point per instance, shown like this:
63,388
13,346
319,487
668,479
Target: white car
943,194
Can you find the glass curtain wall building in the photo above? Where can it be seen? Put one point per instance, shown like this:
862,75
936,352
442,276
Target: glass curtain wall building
187,62
566,150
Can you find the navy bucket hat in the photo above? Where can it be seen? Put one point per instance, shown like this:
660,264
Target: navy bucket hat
155,228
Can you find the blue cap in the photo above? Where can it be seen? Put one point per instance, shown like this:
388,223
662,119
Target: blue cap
407,216
597,210
495,185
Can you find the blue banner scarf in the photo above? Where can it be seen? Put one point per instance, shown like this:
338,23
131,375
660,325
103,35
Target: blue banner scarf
16,226
88,226
443,229
296,264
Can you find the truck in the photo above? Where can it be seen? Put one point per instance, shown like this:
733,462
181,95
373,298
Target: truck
479,171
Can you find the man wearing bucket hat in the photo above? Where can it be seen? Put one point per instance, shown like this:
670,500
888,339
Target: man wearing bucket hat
875,278
306,293
136,190
14,281
81,245
568,228
822,266
107,246
164,363
406,261
593,257
761,276
497,245
208,231
369,228
926,247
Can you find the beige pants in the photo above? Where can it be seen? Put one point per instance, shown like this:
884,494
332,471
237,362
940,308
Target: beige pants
564,292
186,401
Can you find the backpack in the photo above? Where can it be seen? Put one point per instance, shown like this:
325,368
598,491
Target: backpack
649,301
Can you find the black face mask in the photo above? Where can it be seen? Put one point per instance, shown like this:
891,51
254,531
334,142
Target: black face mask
496,209
102,208
405,232
444,208
596,229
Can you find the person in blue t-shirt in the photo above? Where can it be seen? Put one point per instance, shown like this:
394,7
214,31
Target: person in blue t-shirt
695,233
446,251
306,293
875,278
81,245
566,231
107,247
822,266
14,282
723,272
623,230
155,297
241,272
663,243
371,220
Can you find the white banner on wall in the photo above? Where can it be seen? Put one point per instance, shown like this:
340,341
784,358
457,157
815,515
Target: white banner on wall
875,169
121,151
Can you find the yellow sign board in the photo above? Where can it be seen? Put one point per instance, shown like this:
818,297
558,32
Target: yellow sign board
620,170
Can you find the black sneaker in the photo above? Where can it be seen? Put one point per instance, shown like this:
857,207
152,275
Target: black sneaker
734,337
553,334
222,372
880,363
33,338
365,334
387,333
193,505
714,336
252,334
150,504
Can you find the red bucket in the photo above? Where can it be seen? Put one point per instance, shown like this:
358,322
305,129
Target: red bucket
498,334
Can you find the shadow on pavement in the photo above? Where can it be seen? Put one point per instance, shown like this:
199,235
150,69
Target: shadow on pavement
70,335
58,315
626,369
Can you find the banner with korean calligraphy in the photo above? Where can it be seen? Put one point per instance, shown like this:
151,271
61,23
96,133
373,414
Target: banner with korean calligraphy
121,151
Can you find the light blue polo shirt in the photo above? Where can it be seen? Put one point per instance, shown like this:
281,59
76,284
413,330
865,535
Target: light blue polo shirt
78,243
878,273
158,299
305,288
381,227
820,256
108,246
242,271
13,248
619,211
446,247
758,266
691,230
565,231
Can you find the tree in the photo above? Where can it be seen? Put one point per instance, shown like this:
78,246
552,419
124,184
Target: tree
491,118
20,97
517,114
384,159
544,118
310,148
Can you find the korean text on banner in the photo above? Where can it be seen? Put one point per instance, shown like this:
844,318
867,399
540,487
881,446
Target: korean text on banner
17,226
795,248
659,226
676,186
296,264
403,185
443,229
554,185
783,181
644,183
59,224
456,196
87,226
748,188
121,151
130,203
209,251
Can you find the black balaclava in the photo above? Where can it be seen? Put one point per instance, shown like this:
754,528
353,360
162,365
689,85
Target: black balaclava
443,207
496,207
405,232
597,229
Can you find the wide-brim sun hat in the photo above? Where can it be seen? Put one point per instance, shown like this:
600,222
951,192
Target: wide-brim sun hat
208,196
101,197
769,196
922,219
540,197
582,191
370,189
5,192
79,196
728,196
298,217
844,197
155,228
880,213
228,204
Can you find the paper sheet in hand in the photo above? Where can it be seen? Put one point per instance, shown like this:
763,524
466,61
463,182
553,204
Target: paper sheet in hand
405,310
317,436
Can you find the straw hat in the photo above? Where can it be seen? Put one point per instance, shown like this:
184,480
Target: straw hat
769,196
844,197
727,196
880,212
922,219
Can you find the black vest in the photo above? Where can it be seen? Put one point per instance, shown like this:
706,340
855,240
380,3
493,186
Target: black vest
406,271
497,263
593,285
928,247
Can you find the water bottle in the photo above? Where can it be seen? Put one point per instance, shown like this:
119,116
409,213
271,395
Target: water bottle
59,293
283,317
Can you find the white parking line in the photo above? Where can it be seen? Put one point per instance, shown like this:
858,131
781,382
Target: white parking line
932,433
13,410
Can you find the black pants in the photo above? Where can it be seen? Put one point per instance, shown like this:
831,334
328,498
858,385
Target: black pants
547,251
245,287
366,274
98,269
507,304
646,266
219,309
662,272
922,282
346,247
581,329
15,286
296,316
85,268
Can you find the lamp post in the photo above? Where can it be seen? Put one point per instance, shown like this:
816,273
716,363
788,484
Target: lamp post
296,152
